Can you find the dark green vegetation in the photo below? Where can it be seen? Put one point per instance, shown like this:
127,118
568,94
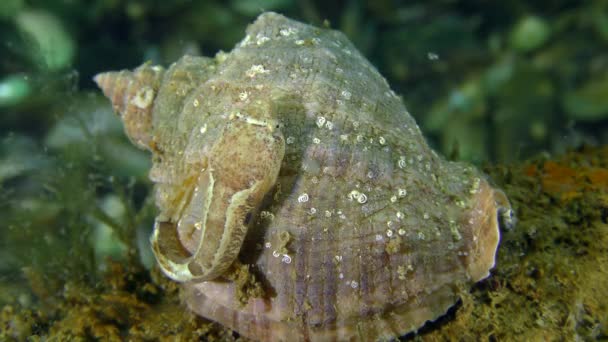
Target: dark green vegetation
486,80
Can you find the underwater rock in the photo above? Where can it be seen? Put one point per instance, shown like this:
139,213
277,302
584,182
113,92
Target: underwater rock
291,154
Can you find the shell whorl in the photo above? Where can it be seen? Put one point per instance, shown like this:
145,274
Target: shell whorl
132,94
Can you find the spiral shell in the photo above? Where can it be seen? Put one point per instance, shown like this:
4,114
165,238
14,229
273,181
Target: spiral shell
291,155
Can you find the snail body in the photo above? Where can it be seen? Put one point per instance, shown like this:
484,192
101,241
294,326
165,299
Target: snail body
292,156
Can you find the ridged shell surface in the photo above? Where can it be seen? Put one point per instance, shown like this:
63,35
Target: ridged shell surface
291,154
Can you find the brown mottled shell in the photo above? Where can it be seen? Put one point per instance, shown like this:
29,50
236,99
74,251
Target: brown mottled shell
292,154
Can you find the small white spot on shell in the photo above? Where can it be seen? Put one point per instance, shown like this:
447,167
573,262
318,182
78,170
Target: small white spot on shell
426,216
329,125
286,259
399,215
203,129
313,211
341,275
393,199
378,237
320,121
267,245
382,141
389,233
303,198
402,192
338,258
346,94
290,140
401,162
339,70
143,98
276,254
299,42
401,232
316,140
354,284
195,103
243,96
344,137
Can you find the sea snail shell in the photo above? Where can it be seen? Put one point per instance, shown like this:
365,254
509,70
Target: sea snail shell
292,154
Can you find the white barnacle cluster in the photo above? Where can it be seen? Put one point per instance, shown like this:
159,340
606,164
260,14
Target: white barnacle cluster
261,39
402,271
401,193
475,186
255,70
287,31
143,98
264,214
358,196
285,258
454,230
323,122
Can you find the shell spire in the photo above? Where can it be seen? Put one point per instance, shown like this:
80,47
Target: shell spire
132,94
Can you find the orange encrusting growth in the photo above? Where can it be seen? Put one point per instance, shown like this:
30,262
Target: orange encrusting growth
567,180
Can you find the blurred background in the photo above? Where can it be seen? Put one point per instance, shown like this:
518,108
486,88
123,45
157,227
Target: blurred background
487,81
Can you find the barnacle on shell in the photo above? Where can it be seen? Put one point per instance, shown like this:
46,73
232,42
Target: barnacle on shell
292,154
